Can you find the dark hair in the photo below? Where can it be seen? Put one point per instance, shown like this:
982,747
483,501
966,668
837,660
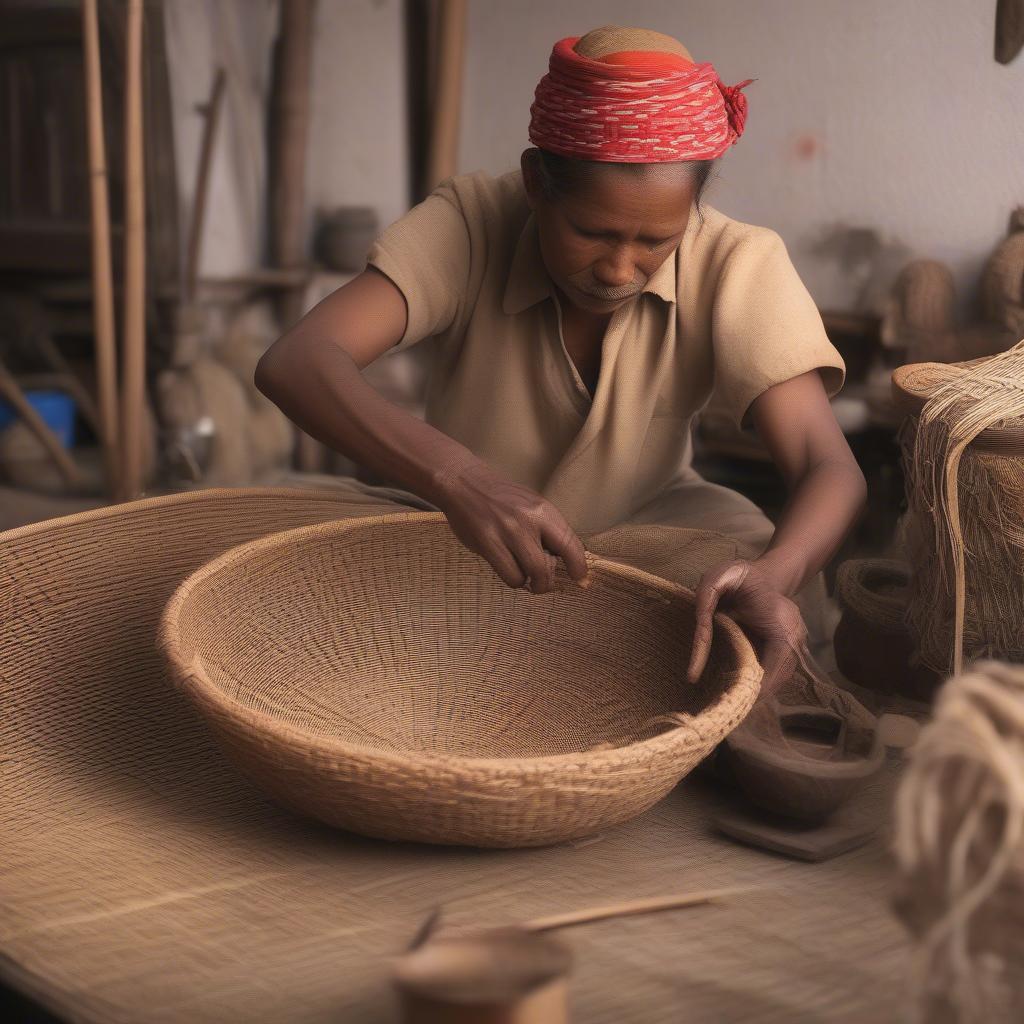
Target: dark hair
561,175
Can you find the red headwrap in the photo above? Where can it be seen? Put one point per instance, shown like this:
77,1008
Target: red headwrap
634,107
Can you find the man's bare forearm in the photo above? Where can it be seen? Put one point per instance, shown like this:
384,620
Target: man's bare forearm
318,386
816,519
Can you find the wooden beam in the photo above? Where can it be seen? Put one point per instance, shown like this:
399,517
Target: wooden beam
102,271
290,111
133,393
444,136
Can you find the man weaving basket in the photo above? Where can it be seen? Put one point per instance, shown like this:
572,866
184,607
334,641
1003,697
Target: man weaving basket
585,307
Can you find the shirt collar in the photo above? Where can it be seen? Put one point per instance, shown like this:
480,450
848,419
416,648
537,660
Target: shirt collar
528,281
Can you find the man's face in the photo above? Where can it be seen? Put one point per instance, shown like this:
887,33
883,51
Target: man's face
602,243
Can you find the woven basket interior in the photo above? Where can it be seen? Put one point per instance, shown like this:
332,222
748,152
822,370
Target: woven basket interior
396,637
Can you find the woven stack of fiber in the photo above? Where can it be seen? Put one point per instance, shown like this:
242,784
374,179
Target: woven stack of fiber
959,844
963,459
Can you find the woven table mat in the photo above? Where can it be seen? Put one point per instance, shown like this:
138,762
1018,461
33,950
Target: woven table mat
141,879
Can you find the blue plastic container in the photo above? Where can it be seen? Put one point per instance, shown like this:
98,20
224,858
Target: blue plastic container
56,410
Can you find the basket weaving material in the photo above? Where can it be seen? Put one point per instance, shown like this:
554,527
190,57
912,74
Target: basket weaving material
959,844
963,455
144,879
375,674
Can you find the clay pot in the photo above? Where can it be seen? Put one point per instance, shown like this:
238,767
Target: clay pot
803,763
501,977
873,646
344,237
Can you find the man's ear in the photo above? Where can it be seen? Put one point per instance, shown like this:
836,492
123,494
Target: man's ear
531,180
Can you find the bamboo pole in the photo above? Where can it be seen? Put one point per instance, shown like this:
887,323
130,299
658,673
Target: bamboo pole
290,110
447,92
195,235
133,394
102,272
291,114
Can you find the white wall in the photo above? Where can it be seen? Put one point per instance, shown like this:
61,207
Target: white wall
886,115
237,35
357,136
358,153
891,115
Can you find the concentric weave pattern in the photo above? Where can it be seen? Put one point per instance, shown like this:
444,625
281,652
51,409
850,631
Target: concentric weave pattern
377,675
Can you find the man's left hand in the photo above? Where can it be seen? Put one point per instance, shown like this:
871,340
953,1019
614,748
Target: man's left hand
771,620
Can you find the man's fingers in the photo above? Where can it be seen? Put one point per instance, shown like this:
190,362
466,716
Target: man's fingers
561,540
539,566
710,591
779,662
699,652
706,602
502,561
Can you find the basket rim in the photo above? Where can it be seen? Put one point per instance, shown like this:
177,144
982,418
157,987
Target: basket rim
190,675
911,401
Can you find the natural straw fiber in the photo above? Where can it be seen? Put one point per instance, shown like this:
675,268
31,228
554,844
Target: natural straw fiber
377,675
960,848
144,881
963,456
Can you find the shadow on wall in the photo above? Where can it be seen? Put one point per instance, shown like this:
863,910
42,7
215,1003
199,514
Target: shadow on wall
869,261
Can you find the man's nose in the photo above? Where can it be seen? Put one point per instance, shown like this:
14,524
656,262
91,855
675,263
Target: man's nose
615,270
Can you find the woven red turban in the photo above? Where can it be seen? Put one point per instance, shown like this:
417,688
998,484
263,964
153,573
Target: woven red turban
634,107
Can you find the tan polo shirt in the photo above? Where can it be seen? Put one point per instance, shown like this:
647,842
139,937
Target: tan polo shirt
726,314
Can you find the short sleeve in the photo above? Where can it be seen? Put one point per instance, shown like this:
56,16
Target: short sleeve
766,328
426,254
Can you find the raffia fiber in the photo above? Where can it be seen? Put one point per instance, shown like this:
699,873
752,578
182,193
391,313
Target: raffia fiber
145,881
377,675
964,528
960,846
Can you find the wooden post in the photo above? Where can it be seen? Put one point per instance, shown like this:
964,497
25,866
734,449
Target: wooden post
448,63
290,109
133,396
102,273
290,118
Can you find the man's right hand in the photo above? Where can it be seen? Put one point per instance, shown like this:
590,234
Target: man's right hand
520,534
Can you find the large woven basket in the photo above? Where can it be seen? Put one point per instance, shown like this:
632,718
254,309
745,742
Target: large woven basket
375,674
989,512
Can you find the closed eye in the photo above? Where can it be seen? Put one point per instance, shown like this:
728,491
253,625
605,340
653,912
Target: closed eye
593,234
651,243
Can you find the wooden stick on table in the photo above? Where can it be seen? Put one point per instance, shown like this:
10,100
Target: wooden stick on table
648,906
102,273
